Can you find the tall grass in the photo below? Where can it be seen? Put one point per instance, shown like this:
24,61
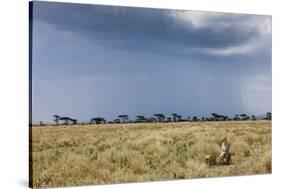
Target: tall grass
81,155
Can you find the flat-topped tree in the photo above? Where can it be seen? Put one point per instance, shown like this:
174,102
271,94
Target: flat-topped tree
67,120
268,116
244,117
219,117
160,117
98,120
124,118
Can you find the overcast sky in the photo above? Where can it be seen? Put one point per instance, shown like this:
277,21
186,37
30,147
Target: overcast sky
93,60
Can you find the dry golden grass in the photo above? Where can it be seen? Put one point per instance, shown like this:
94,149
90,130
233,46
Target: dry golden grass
81,155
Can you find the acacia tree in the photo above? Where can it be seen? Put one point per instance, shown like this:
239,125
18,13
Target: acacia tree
218,117
124,118
160,117
67,119
98,120
244,116
268,116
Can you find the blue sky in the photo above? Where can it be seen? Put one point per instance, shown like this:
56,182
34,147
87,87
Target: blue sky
93,60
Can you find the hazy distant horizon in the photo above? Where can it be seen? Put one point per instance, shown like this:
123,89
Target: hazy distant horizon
104,61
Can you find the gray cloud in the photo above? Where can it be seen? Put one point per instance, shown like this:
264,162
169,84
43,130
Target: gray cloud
124,27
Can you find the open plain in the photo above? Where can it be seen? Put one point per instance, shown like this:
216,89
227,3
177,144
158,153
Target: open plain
117,153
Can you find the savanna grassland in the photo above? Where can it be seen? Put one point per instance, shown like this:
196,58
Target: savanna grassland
82,155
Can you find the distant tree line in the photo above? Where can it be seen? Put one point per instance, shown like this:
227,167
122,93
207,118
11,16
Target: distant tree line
158,117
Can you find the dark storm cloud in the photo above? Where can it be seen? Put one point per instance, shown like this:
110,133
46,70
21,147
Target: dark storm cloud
124,27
